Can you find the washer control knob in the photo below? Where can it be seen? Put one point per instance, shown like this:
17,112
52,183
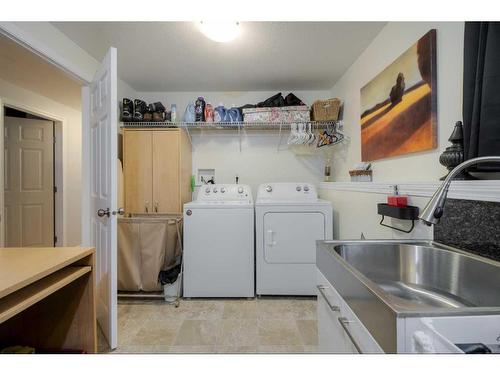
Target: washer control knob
306,188
207,190
269,188
215,190
298,188
240,190
222,190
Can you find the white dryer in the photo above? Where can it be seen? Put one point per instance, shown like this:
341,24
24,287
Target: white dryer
219,243
289,218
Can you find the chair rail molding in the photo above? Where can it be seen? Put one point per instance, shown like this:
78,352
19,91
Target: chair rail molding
483,190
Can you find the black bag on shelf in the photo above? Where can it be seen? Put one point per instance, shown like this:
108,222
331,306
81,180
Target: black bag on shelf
274,101
292,100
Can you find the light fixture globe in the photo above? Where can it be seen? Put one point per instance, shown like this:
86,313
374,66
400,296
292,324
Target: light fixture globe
220,31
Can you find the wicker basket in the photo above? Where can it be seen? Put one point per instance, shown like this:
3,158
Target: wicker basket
326,110
358,175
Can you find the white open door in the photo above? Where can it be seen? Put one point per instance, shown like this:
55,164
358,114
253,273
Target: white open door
99,154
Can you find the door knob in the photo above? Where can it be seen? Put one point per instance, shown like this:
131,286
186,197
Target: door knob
103,212
119,211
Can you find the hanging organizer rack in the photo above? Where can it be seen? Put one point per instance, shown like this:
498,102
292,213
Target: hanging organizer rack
305,138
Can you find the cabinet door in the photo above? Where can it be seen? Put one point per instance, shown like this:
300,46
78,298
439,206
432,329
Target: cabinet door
339,329
166,175
331,336
138,171
358,338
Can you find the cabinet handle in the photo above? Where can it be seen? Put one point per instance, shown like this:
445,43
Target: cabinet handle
344,322
146,206
321,289
156,206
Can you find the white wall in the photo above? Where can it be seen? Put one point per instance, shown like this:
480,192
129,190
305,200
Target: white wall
52,43
259,161
56,46
356,212
71,150
393,40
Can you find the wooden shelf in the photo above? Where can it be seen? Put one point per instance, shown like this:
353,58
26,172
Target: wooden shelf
20,266
22,299
47,299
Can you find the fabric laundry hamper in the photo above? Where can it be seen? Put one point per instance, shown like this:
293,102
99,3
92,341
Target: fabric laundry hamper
147,245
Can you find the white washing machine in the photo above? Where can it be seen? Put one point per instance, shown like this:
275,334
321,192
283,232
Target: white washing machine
289,218
219,242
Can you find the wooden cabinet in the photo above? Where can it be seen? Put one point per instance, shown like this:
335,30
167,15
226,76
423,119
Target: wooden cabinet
137,171
47,299
156,170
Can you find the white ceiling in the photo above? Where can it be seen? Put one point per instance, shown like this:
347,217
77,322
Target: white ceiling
175,56
23,68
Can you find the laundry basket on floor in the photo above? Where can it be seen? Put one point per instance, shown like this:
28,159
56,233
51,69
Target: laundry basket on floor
147,244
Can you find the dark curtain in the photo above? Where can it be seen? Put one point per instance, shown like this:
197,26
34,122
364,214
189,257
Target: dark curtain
481,102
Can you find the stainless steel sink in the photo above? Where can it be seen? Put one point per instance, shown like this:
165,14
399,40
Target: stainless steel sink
426,275
382,280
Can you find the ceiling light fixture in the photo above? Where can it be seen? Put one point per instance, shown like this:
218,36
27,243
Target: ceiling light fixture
220,31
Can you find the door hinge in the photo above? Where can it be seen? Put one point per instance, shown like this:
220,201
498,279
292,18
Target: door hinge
55,189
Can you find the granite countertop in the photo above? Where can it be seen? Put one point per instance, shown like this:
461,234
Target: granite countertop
473,226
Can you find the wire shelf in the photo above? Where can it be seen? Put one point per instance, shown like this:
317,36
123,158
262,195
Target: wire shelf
316,127
230,125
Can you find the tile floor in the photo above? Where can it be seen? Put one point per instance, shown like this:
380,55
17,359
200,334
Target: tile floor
263,325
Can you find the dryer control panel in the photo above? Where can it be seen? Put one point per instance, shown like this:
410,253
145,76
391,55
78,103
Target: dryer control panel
288,191
225,193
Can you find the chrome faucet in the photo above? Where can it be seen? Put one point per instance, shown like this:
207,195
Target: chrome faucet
435,207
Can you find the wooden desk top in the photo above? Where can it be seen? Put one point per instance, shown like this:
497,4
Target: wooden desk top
21,266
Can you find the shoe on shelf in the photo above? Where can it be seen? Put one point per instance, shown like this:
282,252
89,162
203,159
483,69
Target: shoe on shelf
127,109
